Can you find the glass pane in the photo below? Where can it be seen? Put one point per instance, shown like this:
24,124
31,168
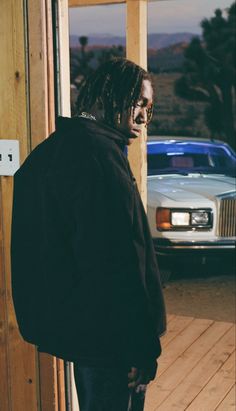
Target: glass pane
189,79
97,33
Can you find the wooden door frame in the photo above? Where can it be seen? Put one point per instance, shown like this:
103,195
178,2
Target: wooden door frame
30,381
136,50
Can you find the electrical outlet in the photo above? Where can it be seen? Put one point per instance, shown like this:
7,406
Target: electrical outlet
9,157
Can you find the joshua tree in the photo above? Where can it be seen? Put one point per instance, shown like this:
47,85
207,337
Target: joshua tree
209,73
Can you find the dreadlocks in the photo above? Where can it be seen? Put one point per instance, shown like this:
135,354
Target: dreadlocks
114,87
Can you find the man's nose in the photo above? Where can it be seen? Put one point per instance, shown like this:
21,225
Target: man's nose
142,117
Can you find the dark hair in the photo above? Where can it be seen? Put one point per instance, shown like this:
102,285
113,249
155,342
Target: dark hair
114,87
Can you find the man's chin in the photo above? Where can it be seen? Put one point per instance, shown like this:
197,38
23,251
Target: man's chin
133,136
130,141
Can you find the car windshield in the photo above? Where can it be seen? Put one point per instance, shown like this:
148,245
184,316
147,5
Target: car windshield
168,157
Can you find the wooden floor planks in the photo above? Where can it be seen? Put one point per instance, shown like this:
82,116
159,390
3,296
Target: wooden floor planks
196,369
214,392
229,402
175,326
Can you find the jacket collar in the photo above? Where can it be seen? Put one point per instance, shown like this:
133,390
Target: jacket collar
91,125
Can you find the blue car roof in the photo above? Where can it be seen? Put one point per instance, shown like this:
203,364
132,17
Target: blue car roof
177,147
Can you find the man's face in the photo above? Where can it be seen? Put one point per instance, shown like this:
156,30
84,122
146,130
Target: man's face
131,124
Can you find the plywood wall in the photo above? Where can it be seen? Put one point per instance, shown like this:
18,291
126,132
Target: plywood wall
28,381
18,371
136,49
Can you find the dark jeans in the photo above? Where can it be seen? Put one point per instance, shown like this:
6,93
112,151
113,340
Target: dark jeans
105,389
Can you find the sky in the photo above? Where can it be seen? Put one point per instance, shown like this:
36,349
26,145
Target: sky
167,16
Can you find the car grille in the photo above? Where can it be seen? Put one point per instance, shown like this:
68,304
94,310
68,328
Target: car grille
227,220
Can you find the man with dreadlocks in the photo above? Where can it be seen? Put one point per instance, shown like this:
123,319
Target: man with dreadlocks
85,281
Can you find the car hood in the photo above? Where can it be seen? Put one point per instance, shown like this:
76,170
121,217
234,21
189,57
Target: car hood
192,186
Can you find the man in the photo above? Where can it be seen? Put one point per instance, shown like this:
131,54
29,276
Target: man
85,281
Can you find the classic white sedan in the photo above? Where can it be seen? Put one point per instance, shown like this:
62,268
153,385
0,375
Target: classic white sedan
191,195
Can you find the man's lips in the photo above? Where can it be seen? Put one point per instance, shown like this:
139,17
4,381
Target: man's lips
136,131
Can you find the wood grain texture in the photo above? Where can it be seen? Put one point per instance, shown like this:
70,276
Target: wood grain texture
136,51
37,37
64,59
42,120
175,327
4,371
79,3
49,81
202,372
185,363
48,382
61,385
182,341
196,369
214,392
19,365
27,114
229,402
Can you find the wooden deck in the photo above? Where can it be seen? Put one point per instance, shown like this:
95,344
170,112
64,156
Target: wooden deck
196,369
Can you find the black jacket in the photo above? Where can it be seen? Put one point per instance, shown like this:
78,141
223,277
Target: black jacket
84,274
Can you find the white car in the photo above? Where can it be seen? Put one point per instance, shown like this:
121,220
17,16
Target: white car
191,196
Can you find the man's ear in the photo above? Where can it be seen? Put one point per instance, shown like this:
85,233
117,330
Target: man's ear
118,118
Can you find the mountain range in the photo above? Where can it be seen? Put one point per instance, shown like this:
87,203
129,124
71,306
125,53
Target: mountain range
155,40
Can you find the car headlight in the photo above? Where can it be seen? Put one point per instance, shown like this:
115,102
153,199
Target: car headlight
175,219
180,218
200,217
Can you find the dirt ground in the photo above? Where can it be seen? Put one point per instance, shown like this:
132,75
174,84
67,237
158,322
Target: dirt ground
211,297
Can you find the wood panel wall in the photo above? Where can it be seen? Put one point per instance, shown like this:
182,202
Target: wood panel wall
18,371
78,3
28,381
136,50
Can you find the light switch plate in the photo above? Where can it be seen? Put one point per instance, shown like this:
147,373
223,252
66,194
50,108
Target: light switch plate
9,157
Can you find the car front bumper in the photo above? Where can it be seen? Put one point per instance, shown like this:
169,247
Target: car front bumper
166,246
